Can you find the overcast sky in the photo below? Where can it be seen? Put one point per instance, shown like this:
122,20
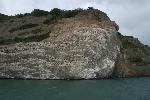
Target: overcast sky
132,16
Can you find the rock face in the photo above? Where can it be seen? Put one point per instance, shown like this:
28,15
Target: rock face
77,44
84,53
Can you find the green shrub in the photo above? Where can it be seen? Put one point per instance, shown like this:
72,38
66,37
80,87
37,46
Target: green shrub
19,15
47,21
50,20
64,13
27,14
90,8
4,17
70,13
38,13
56,12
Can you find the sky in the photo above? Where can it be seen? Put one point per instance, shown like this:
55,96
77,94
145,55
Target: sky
132,16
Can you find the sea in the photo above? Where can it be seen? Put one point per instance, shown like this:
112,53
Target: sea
103,89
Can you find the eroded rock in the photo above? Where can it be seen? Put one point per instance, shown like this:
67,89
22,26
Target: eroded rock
84,53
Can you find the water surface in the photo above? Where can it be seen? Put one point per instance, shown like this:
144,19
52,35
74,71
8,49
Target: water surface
111,89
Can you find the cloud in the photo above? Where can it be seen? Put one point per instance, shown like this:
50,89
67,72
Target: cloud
132,16
12,7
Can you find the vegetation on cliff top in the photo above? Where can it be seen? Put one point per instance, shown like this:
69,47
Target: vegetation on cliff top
57,13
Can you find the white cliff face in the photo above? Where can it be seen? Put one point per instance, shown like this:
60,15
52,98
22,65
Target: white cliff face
83,53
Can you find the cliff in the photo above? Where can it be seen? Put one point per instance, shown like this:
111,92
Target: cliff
68,44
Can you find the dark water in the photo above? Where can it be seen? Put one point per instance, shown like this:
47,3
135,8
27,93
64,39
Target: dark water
114,89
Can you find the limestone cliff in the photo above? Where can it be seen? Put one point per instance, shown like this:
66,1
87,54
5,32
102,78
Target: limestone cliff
77,44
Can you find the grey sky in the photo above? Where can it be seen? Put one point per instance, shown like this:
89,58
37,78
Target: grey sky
133,16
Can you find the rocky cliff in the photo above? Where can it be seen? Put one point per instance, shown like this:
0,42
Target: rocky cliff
77,44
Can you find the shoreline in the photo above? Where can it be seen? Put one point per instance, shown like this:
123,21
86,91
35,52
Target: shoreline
111,78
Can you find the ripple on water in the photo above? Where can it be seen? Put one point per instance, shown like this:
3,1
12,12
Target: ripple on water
111,89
